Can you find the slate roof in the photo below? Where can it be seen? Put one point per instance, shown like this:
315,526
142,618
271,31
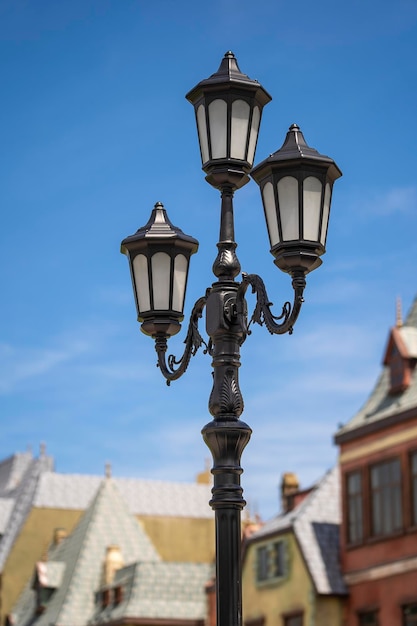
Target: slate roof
12,470
6,507
143,497
106,522
22,495
381,404
315,523
159,591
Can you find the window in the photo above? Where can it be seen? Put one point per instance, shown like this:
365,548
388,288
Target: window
414,487
386,506
270,561
105,598
354,507
370,618
118,595
294,620
410,615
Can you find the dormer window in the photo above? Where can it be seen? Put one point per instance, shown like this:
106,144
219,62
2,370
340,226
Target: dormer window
399,372
400,357
48,578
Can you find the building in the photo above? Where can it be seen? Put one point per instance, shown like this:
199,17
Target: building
378,463
107,571
35,500
291,570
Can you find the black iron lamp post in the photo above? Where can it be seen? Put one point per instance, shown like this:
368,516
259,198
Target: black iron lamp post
296,185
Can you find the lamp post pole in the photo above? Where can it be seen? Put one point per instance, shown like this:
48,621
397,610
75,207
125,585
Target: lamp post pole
296,185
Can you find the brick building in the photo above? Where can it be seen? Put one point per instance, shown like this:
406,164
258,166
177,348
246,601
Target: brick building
378,464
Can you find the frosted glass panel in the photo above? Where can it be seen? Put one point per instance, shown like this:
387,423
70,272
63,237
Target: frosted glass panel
326,209
161,266
312,201
240,122
202,133
253,134
288,207
180,276
218,128
271,214
140,273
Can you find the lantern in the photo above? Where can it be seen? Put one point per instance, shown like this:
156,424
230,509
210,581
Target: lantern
159,255
296,186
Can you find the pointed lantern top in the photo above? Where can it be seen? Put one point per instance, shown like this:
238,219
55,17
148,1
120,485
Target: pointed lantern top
295,148
228,72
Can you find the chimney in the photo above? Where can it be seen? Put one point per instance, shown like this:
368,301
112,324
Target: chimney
289,487
113,561
205,477
59,535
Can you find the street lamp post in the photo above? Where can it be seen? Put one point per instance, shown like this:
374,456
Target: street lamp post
296,187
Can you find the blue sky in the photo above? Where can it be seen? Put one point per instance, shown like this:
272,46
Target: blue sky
95,129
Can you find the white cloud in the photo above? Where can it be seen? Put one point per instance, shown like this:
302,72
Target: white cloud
387,202
20,364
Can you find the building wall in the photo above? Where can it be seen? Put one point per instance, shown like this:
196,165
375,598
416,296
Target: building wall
387,595
181,539
295,592
175,538
329,611
375,567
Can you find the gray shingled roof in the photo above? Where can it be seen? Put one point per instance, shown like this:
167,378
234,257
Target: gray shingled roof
143,497
315,523
160,591
106,522
6,508
381,404
22,503
12,470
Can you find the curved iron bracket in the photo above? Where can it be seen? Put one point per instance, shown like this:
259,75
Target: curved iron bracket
173,368
262,313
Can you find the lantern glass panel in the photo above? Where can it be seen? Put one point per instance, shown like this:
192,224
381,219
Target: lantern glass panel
239,131
326,211
141,278
256,117
180,277
312,189
270,213
288,207
218,128
202,133
161,269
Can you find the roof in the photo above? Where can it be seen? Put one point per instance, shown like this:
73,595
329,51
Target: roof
6,507
143,497
15,514
27,482
50,573
12,470
380,404
315,523
159,591
106,522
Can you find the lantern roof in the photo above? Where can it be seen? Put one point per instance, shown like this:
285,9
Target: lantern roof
228,74
159,227
296,149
